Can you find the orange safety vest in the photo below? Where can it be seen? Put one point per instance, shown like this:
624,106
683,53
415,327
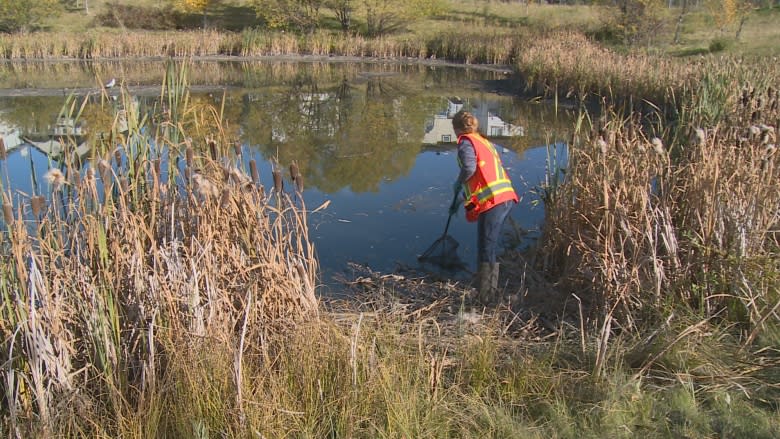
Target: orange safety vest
489,185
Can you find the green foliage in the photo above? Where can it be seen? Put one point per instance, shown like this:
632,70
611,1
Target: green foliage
301,15
719,44
21,15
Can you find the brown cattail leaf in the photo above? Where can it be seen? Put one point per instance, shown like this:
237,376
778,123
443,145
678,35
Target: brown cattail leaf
3,152
254,171
8,210
190,156
278,183
37,202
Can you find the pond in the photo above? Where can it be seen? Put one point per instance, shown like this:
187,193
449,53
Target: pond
373,141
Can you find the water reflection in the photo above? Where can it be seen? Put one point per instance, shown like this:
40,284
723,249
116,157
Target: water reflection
370,138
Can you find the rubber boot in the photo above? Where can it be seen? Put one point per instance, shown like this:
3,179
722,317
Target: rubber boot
485,282
494,291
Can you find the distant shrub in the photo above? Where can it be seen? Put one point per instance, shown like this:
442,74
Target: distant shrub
719,44
138,17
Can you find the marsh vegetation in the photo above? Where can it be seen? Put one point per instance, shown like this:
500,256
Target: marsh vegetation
163,292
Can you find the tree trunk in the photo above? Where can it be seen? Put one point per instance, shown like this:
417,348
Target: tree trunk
741,25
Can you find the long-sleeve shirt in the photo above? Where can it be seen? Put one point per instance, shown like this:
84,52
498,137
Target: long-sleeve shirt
467,158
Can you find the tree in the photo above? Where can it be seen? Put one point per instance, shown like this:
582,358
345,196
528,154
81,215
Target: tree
197,7
344,10
384,16
302,15
23,15
727,13
637,20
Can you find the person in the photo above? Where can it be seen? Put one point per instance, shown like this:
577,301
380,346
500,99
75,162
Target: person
488,197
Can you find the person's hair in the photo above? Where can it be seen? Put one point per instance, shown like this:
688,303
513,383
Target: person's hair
465,122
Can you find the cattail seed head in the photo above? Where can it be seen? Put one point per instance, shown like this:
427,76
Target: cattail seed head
104,169
3,151
212,148
76,179
225,199
37,203
253,170
700,136
278,183
601,144
299,183
190,156
294,172
118,158
204,187
658,146
55,178
8,210
237,148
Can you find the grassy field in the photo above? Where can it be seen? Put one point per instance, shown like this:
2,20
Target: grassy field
698,31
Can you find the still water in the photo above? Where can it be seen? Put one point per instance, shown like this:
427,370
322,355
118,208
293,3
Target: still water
373,140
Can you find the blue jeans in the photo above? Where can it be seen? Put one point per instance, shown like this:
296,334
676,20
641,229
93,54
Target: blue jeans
489,225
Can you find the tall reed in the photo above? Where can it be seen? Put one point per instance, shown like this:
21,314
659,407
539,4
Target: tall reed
138,256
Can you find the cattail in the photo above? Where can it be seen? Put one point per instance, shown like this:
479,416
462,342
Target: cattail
8,209
601,144
190,155
3,152
294,172
212,148
254,171
37,202
658,146
299,183
55,178
76,179
118,158
225,200
278,183
237,148
124,184
187,173
700,136
204,186
103,170
157,167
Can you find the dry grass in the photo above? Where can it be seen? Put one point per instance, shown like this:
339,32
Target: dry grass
160,247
